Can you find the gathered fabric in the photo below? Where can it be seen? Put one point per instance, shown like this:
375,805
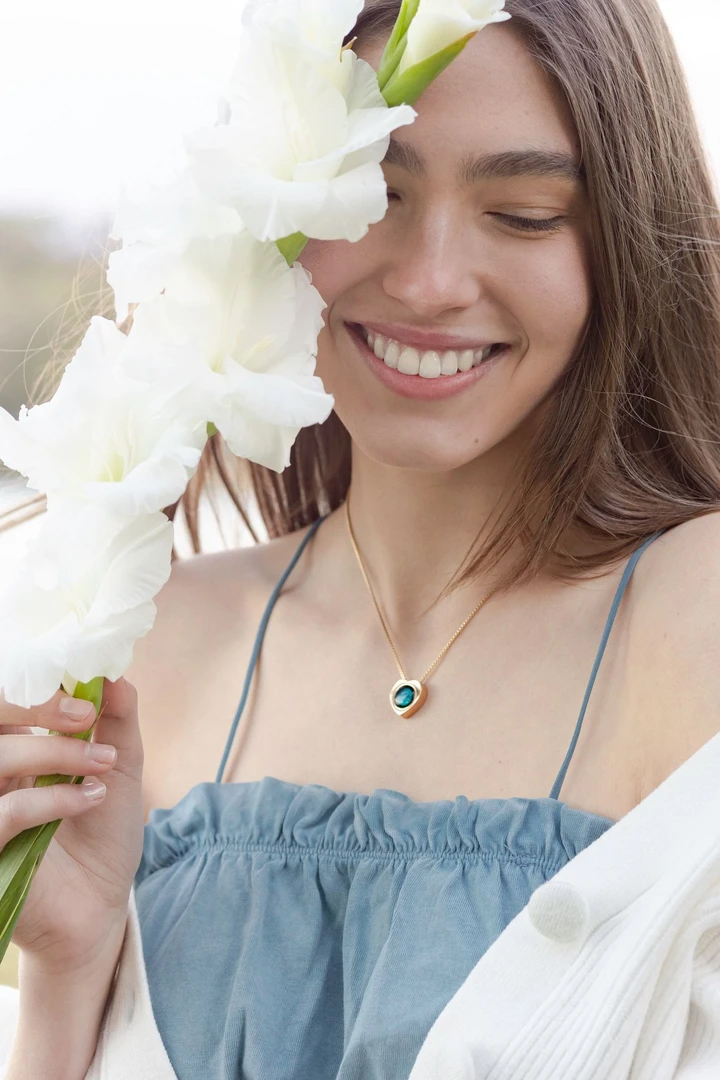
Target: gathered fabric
297,932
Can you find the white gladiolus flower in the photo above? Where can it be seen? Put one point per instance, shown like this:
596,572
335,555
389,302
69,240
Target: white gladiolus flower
156,225
235,334
318,27
80,599
439,23
302,150
104,436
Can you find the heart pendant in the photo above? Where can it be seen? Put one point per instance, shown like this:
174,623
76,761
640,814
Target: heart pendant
407,696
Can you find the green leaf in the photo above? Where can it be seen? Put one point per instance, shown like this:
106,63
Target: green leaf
12,906
19,861
291,247
405,89
397,42
20,858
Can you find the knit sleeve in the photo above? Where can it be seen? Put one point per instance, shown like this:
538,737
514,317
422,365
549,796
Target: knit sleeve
130,1046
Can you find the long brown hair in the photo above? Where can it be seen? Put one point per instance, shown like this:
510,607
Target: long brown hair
631,441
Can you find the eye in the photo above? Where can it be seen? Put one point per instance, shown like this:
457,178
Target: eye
392,195
524,224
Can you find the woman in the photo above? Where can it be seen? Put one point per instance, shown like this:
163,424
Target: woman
552,239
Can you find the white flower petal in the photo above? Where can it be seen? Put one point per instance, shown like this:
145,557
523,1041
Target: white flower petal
79,600
31,675
136,273
105,434
353,202
109,648
317,25
136,565
262,443
245,355
169,215
294,130
261,418
151,485
439,23
290,401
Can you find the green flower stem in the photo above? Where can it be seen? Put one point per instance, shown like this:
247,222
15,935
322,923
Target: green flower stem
20,858
405,89
291,247
397,42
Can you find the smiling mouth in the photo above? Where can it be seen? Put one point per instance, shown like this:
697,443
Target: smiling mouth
427,364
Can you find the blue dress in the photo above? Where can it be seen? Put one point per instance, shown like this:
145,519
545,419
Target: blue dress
292,932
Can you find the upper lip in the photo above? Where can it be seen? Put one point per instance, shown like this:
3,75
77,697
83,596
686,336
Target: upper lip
427,339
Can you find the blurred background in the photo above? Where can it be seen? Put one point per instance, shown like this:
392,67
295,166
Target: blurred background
95,94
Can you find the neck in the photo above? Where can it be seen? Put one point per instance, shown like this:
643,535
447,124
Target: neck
414,530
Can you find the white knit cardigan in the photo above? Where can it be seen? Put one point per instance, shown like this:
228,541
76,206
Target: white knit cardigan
611,972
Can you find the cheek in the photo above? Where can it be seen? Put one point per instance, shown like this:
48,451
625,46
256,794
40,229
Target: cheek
554,292
333,265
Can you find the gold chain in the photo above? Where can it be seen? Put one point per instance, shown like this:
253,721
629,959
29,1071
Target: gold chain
452,640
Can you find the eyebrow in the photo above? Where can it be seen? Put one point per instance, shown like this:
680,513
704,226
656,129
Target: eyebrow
502,166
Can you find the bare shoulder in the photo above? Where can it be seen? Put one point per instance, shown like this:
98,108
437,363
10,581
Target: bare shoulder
189,668
674,646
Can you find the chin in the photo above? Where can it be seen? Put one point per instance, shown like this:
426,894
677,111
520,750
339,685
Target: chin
438,451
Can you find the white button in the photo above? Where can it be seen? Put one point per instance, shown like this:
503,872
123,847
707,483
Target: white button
559,911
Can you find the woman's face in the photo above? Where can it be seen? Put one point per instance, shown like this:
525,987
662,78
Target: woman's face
450,271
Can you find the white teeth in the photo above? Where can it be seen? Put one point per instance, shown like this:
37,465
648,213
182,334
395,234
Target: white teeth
449,363
430,364
409,362
392,355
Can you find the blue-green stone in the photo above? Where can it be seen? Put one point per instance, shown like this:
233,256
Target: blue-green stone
404,697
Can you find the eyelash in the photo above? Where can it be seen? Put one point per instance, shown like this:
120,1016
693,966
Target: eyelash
522,224
532,224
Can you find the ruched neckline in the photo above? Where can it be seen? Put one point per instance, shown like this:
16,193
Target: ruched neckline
276,815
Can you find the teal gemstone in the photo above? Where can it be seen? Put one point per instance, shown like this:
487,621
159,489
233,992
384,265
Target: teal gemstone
404,696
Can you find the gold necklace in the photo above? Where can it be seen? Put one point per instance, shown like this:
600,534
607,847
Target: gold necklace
407,695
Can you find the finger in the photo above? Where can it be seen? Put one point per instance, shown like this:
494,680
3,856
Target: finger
10,730
27,807
60,713
43,755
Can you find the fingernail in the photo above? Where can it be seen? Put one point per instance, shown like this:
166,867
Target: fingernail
101,752
92,789
76,709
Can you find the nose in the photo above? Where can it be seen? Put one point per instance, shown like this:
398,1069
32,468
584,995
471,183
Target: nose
433,267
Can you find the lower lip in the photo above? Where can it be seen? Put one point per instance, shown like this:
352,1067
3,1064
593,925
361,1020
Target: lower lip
414,386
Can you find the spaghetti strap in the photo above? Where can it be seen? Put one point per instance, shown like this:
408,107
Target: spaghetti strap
258,644
632,563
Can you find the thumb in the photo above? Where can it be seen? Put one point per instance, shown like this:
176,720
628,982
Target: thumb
118,724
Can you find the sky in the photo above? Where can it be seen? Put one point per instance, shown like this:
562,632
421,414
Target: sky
97,93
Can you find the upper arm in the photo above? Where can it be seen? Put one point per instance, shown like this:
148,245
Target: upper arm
675,647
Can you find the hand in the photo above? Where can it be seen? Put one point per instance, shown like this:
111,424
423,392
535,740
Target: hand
78,898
